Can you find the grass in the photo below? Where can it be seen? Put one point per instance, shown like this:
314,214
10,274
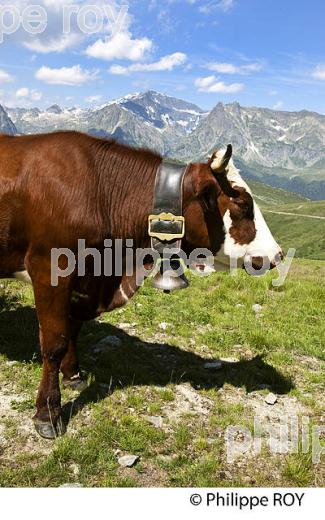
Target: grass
157,373
296,231
306,235
266,195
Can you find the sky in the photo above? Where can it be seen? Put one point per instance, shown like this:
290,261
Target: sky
268,53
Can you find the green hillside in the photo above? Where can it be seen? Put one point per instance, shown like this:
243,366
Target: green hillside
266,195
294,220
298,226
305,208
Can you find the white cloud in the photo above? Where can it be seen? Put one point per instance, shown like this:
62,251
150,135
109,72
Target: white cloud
278,105
212,5
71,76
26,93
229,68
22,92
226,5
205,82
121,47
59,44
93,99
118,70
166,63
5,77
319,72
211,85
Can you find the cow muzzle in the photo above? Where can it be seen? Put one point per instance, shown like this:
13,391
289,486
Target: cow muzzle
258,265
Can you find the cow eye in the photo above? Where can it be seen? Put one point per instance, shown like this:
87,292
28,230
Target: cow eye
243,208
208,199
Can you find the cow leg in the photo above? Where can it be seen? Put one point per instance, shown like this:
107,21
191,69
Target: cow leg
52,305
72,376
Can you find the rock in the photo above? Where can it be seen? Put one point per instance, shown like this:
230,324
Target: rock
163,325
229,360
257,307
157,421
271,398
127,461
104,344
213,365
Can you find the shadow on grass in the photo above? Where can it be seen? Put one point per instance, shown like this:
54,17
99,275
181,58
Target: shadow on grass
134,362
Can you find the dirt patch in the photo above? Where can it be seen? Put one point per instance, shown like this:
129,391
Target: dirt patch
17,433
187,402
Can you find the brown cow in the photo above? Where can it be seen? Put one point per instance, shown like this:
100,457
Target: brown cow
61,187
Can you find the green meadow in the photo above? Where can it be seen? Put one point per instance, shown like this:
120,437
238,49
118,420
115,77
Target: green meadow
171,373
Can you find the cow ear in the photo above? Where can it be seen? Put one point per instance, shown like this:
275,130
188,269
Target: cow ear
219,161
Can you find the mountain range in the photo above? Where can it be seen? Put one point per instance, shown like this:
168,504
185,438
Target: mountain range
283,149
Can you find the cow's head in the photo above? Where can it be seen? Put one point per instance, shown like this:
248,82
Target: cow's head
222,216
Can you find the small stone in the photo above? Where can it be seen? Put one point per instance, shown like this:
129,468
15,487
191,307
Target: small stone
163,325
257,307
127,461
157,421
271,398
104,344
229,360
238,305
213,365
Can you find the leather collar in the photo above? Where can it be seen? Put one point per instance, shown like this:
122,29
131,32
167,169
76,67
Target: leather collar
167,224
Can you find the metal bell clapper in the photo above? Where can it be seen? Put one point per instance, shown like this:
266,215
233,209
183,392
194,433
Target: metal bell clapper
166,279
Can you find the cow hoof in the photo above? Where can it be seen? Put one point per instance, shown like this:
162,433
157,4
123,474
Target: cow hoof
76,382
48,430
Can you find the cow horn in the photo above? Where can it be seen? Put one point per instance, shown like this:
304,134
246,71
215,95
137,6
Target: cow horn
219,164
